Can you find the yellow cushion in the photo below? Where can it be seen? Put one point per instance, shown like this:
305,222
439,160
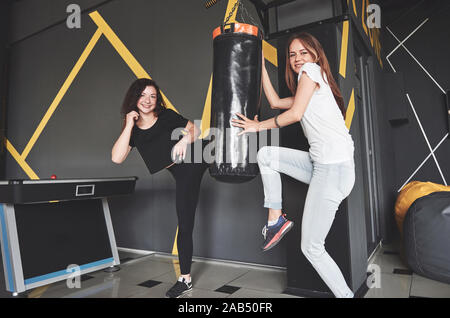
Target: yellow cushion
410,193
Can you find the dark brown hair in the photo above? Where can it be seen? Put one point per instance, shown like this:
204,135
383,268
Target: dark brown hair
311,43
134,93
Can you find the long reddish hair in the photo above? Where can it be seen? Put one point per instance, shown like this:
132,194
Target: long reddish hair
313,46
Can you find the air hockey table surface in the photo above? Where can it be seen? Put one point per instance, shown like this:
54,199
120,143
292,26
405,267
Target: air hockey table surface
45,190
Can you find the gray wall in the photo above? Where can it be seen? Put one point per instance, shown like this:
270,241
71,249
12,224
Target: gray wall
172,40
29,17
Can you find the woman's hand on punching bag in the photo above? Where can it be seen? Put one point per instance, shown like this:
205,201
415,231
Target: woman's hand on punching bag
179,151
247,124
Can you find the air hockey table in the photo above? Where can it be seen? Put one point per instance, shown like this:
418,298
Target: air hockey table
49,227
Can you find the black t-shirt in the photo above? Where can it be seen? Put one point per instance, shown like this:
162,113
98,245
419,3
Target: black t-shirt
155,143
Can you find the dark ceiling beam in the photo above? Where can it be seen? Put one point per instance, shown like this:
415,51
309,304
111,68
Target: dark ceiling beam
262,10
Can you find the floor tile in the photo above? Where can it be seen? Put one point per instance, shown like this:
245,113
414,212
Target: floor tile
92,286
402,271
212,276
207,275
121,290
158,291
387,252
390,286
137,273
265,280
227,289
159,273
387,263
149,283
425,287
203,293
251,293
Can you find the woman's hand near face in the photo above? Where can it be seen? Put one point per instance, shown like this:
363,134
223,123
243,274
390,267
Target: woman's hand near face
122,147
131,118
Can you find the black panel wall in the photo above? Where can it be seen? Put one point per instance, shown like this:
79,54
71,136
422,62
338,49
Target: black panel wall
421,63
5,7
172,41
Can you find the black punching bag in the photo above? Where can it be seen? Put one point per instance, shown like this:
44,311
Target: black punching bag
236,88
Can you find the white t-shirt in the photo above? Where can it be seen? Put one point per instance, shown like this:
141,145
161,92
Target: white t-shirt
323,123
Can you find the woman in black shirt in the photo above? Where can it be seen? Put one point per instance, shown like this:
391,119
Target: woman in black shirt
149,126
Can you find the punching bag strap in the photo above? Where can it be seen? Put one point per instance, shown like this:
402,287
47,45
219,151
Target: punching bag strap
238,3
238,28
229,30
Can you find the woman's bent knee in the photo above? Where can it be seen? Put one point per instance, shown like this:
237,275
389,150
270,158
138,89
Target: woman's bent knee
312,251
264,155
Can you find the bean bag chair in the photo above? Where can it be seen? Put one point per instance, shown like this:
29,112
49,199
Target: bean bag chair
411,192
426,236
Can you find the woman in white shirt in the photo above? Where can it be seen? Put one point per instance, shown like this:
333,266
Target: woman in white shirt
327,167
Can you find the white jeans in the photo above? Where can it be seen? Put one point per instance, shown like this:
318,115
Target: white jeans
329,184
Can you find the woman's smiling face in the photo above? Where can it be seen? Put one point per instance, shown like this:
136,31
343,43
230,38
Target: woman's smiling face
147,102
299,55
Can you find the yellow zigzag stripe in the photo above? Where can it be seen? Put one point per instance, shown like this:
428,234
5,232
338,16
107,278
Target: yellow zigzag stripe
206,117
31,174
61,93
126,55
344,47
350,110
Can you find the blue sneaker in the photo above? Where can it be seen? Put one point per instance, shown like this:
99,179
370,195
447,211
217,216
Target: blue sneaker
273,234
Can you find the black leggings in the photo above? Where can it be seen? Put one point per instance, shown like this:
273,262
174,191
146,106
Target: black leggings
188,177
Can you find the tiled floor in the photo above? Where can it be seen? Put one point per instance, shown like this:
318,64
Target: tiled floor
150,276
397,281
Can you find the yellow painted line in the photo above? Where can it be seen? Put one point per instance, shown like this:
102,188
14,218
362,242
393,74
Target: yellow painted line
364,8
354,8
206,117
176,263
126,55
20,160
175,247
344,49
38,292
61,93
350,110
176,268
270,53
